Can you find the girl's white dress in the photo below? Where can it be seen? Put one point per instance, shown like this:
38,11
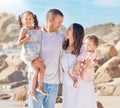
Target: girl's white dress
81,97
31,49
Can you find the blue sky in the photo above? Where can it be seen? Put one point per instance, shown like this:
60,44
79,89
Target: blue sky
85,12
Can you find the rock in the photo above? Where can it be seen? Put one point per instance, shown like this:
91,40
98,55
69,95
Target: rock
110,90
117,91
107,90
4,96
11,74
109,70
5,20
13,60
102,77
3,64
117,46
12,29
105,52
3,56
9,45
21,93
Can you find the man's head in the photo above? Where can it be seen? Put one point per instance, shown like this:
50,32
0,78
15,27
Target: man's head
54,19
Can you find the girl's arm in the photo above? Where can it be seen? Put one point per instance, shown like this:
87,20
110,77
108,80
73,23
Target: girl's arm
23,37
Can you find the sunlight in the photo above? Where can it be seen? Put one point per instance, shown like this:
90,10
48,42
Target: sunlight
11,5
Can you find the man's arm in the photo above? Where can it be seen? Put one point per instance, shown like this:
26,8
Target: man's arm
38,63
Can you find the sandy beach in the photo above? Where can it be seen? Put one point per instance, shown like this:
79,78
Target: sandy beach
107,102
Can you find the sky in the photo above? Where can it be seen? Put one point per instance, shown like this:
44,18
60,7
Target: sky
86,12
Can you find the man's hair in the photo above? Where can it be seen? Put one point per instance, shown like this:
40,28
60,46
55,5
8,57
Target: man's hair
53,13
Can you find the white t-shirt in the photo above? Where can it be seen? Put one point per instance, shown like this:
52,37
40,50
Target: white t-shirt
51,48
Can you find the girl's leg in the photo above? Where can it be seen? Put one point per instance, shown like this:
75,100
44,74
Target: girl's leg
40,81
33,81
75,79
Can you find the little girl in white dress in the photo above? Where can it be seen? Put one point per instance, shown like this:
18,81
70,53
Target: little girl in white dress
29,40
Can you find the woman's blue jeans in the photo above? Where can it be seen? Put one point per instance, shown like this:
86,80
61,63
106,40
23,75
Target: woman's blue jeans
44,101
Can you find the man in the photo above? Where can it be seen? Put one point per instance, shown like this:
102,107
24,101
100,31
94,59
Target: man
51,46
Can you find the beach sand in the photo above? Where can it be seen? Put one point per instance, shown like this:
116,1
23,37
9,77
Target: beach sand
107,102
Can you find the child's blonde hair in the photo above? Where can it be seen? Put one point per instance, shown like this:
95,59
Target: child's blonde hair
94,38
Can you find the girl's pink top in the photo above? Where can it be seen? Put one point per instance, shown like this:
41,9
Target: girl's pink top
89,74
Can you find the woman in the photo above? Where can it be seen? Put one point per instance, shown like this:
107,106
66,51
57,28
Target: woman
79,97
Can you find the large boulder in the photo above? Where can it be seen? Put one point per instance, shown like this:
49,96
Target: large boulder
16,70
109,70
110,90
105,52
21,93
12,29
11,74
3,63
5,20
14,60
101,77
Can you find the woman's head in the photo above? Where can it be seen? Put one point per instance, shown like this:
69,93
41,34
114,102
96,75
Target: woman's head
28,19
74,36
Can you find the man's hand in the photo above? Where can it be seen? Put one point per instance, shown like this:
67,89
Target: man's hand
38,63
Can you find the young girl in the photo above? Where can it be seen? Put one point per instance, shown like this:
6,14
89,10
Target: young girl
83,69
28,39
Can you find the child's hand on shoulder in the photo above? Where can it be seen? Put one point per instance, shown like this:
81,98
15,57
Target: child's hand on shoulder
28,36
37,28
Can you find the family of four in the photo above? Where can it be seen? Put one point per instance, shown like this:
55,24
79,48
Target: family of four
53,58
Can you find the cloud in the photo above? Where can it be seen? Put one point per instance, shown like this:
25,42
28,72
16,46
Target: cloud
106,3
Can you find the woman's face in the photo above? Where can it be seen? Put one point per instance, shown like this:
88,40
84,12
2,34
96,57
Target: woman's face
69,33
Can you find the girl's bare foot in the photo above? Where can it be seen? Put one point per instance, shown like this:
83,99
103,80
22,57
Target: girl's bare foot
41,91
32,93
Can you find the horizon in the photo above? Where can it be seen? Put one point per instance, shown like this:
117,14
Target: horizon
90,13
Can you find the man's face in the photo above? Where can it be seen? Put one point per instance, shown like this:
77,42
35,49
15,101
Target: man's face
56,22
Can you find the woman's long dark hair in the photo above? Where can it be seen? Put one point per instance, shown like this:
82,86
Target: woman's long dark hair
78,36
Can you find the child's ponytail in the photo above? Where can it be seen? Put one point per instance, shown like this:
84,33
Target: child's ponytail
35,22
19,21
